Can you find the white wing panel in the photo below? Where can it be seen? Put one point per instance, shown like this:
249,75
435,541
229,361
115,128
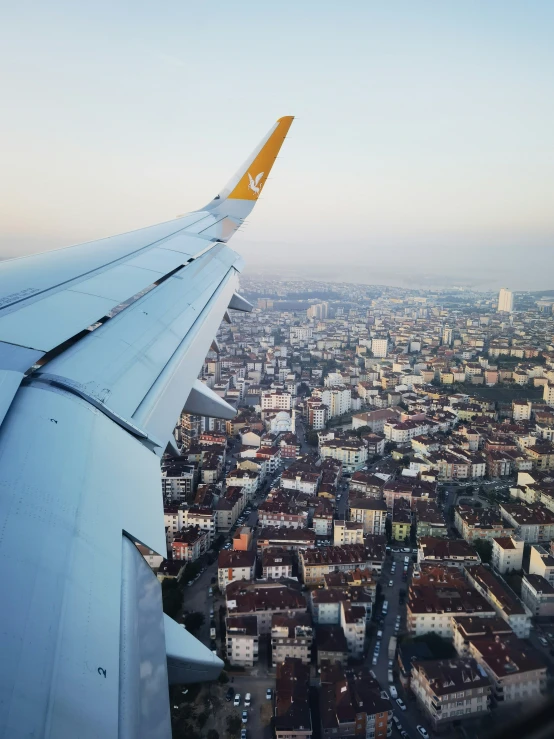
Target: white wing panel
119,363
119,283
49,322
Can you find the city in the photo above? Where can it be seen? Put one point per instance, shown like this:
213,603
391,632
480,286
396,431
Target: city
368,543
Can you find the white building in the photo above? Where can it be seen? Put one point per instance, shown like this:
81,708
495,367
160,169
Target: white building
338,400
507,553
505,300
276,400
353,622
379,347
348,532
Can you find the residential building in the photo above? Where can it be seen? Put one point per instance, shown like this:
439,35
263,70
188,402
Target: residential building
541,562
480,523
450,552
235,565
286,538
504,601
401,519
438,594
507,553
178,480
450,690
242,640
366,485
331,645
291,636
276,563
347,532
314,564
351,452
263,600
533,522
429,520
190,544
353,622
467,628
505,300
538,595
242,539
370,512
293,718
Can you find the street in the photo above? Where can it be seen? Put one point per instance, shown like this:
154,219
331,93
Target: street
411,717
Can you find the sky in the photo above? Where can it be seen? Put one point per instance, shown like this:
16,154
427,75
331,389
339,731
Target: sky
421,153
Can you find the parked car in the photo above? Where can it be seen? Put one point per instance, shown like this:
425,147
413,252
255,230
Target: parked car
391,583
384,695
423,731
244,717
374,660
243,734
268,694
543,641
379,634
230,695
236,702
393,691
247,699
401,704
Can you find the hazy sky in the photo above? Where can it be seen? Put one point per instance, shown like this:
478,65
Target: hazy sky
422,149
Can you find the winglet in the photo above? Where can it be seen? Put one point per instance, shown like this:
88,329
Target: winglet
249,180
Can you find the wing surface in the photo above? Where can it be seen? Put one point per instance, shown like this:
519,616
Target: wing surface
100,349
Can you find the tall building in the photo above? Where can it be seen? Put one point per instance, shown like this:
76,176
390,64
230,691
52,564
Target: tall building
379,347
505,300
447,336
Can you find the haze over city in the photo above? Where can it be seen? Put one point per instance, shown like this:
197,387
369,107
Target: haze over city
421,152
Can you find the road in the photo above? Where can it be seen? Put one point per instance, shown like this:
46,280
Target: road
411,717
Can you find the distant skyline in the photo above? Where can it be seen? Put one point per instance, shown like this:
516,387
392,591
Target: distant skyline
421,151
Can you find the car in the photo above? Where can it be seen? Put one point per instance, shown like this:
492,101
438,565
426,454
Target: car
210,591
374,660
396,722
211,612
391,583
268,694
243,734
379,634
543,641
400,704
406,549
384,695
236,702
247,699
229,695
393,691
406,560
391,662
423,731
373,675
244,717
404,734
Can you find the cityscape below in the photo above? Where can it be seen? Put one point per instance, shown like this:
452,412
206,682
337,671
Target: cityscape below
369,543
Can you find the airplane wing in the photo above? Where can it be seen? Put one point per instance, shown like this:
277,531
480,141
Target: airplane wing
100,349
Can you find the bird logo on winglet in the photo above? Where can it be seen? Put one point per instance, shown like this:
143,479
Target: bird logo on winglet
254,183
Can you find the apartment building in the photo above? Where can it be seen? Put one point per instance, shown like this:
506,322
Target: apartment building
516,670
280,512
337,399
314,564
480,523
438,594
350,452
242,539
468,628
263,600
293,719
190,544
290,539
235,565
242,640
541,562
430,520
450,690
401,522
507,553
370,512
538,595
248,480
504,601
353,623
450,552
228,508
276,563
325,603
322,521
331,646
533,522
276,400
375,419
291,636
350,704
365,485
305,481
178,481
347,532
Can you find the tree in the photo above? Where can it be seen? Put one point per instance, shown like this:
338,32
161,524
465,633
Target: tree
223,677
202,718
439,647
212,734
233,724
194,620
483,548
362,431
312,438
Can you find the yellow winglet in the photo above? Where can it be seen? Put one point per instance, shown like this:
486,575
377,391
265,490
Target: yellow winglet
252,181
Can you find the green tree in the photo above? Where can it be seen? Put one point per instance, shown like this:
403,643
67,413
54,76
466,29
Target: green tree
439,647
223,677
483,548
194,620
362,431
